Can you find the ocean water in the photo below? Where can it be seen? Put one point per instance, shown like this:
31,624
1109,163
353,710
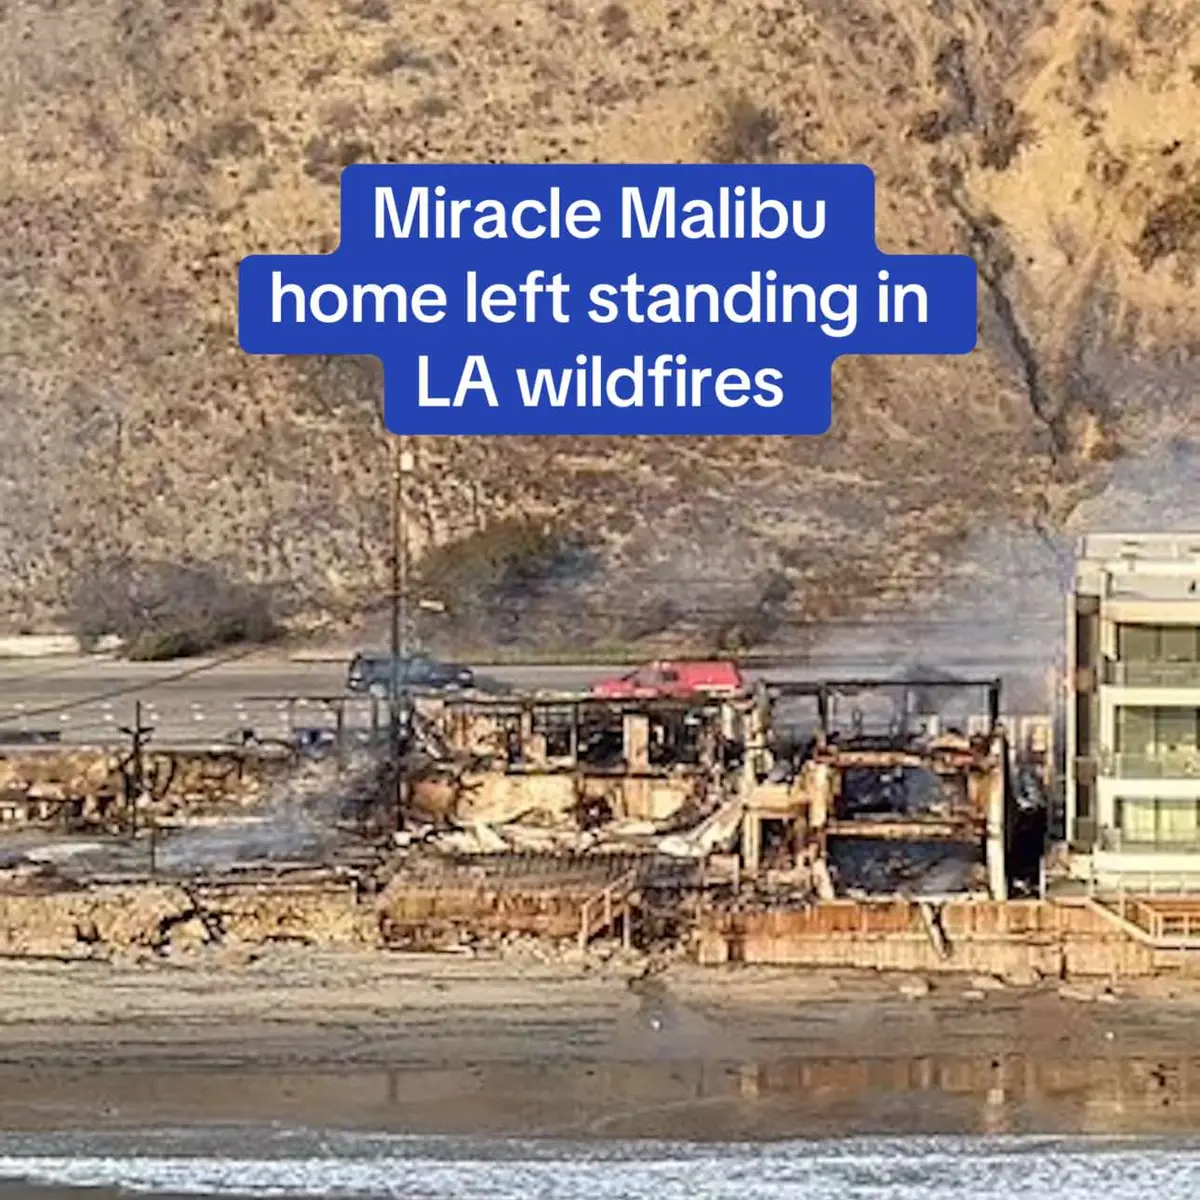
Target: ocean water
243,1161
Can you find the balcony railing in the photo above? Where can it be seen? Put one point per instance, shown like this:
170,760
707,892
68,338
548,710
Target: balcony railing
1165,847
1152,674
1185,765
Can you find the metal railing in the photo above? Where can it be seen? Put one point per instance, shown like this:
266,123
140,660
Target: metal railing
1118,841
1115,883
1152,674
1177,765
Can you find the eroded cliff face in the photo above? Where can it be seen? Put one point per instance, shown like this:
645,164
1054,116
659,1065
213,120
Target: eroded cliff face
150,146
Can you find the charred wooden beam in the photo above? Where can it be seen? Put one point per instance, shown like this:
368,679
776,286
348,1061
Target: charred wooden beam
964,829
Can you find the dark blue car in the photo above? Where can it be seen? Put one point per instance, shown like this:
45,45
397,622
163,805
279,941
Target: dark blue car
372,674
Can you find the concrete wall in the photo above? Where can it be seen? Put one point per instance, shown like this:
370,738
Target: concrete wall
1162,870
546,912
152,917
1055,940
50,645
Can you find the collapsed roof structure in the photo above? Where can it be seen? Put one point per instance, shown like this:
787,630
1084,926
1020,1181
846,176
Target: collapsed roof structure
901,798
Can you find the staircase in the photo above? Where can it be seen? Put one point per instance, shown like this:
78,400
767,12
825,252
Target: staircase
1164,922
931,919
612,905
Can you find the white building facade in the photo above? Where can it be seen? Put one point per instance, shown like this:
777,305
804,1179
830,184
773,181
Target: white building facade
1133,709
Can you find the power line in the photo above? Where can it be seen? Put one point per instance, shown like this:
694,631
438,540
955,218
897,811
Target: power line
684,612
518,604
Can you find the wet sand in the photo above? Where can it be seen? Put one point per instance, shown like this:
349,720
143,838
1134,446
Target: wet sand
441,1044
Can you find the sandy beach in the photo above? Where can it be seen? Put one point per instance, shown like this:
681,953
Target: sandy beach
433,1044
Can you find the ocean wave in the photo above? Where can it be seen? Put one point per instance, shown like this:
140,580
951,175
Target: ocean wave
303,1163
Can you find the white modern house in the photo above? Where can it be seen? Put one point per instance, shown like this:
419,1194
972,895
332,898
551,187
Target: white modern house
1133,710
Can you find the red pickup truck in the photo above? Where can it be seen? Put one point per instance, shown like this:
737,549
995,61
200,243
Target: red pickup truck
673,680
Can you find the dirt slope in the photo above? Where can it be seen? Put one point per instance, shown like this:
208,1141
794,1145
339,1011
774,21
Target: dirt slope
149,146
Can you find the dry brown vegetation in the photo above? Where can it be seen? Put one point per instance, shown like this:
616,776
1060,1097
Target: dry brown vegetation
149,146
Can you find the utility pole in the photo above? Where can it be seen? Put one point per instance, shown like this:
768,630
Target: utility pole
117,480
406,467
397,588
136,776
398,691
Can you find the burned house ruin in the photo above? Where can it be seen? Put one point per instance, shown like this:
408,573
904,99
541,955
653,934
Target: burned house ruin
768,797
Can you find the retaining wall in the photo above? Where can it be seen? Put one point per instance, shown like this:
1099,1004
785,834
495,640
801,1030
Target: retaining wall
544,912
155,916
1056,940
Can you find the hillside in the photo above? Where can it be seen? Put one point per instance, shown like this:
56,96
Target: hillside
148,147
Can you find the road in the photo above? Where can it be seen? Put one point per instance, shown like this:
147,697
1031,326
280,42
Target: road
88,699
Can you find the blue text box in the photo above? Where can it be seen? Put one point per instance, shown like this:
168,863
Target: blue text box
607,299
